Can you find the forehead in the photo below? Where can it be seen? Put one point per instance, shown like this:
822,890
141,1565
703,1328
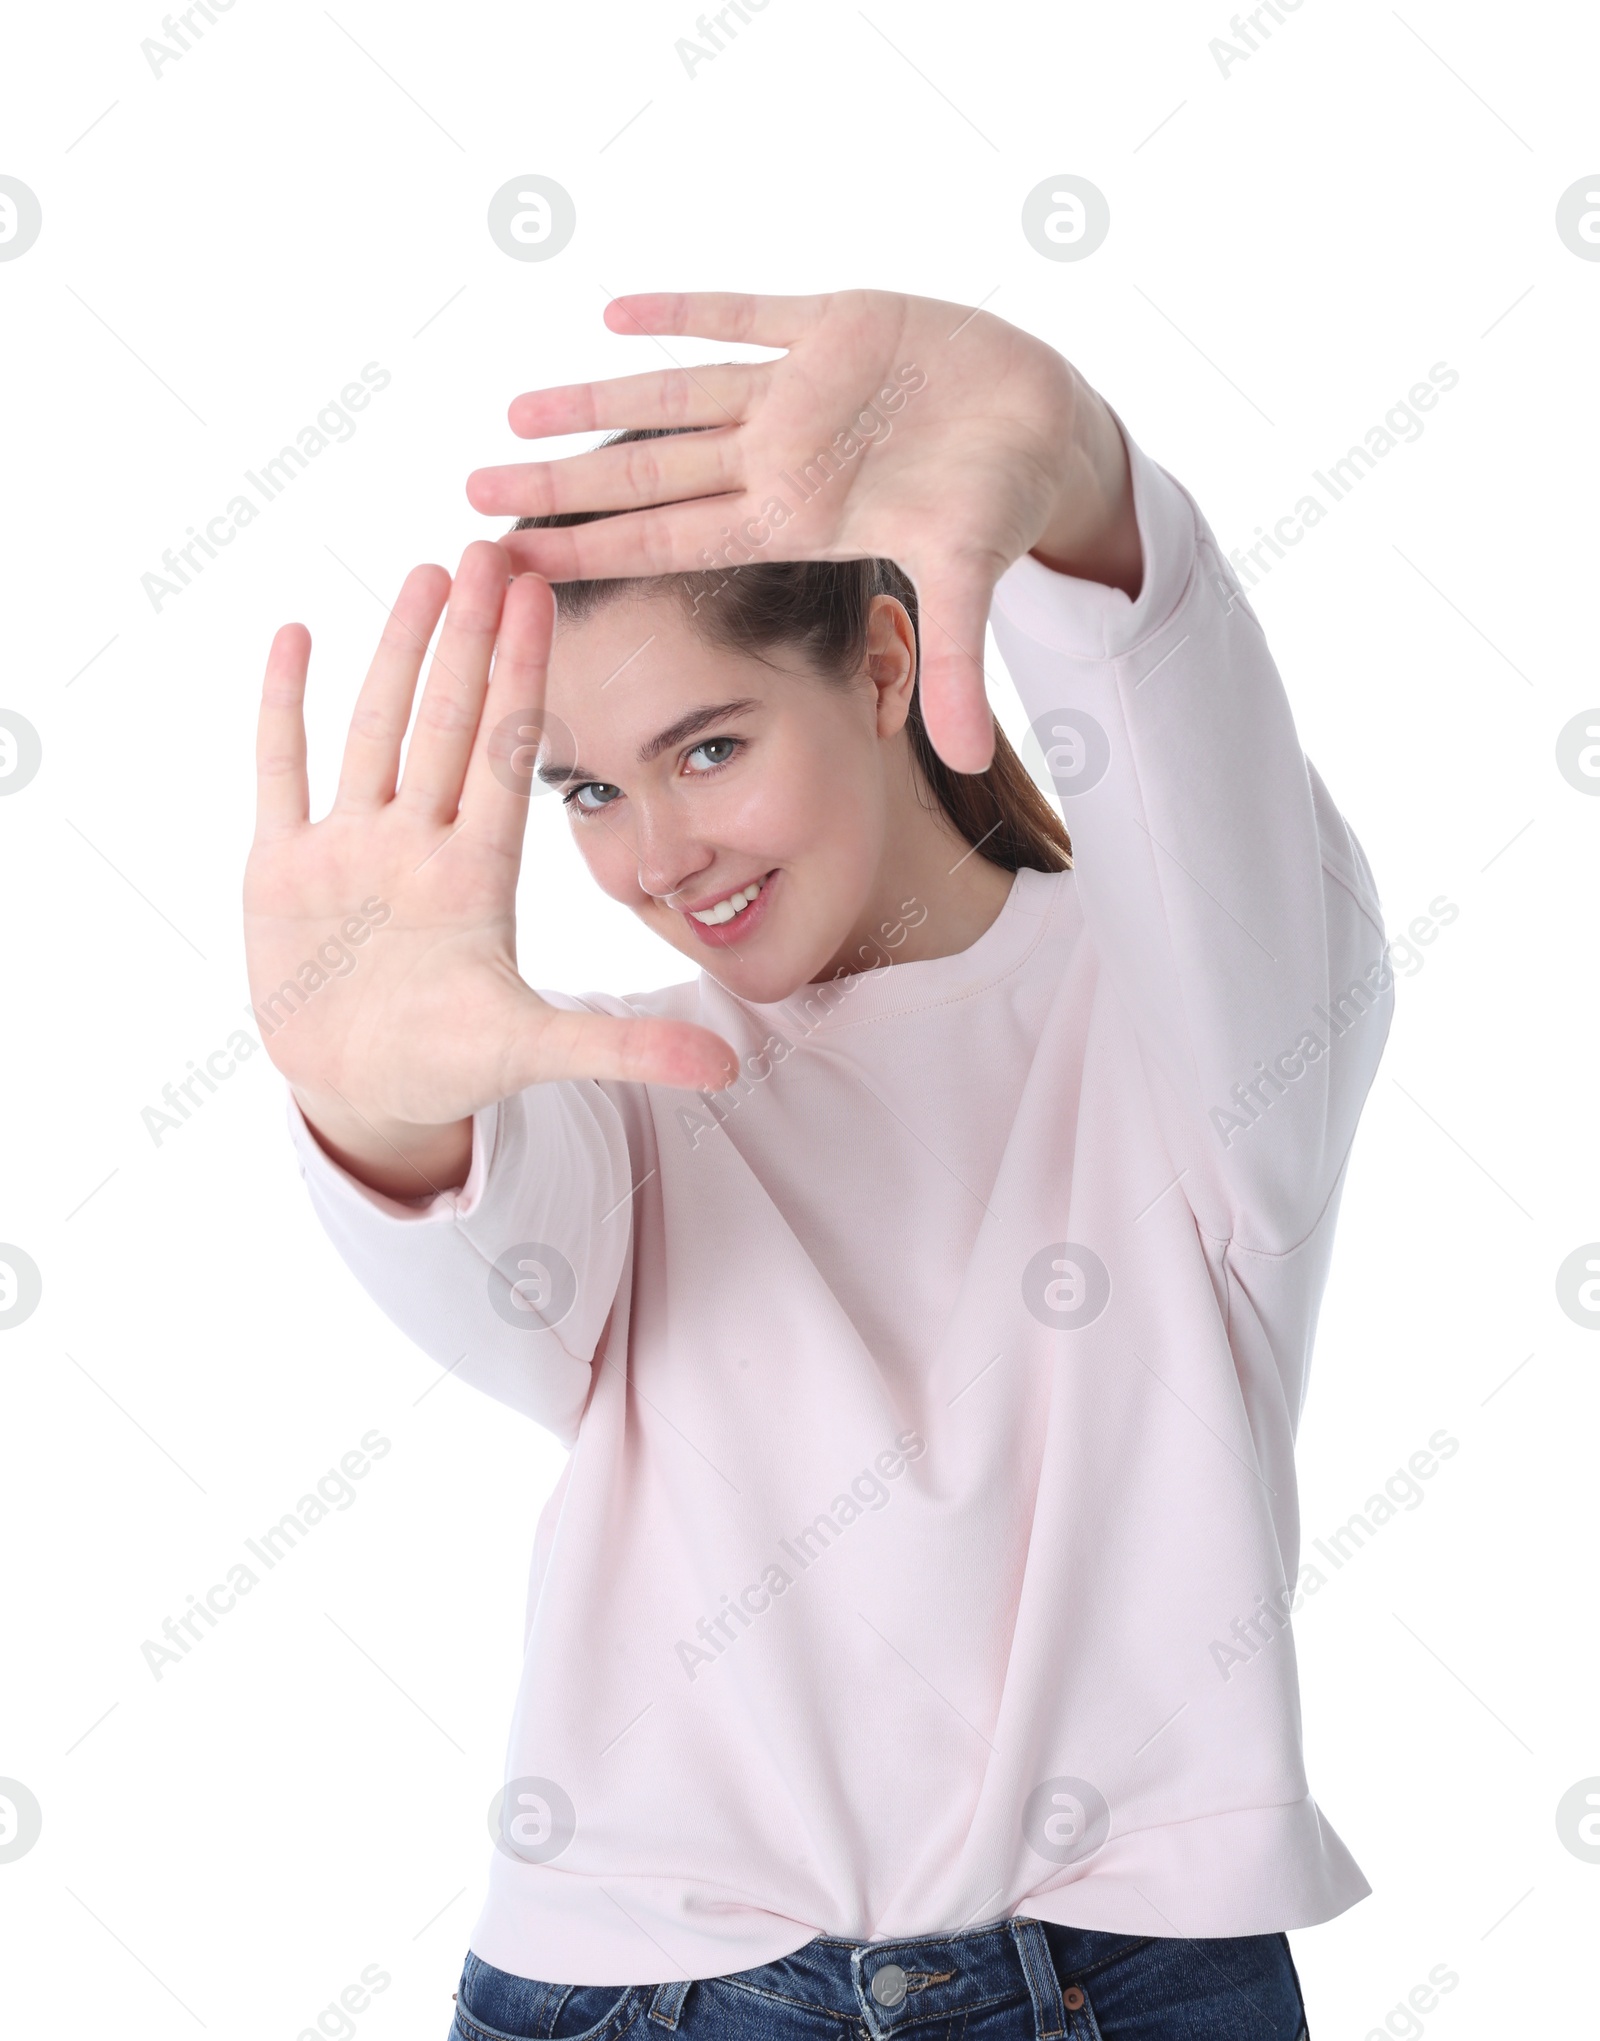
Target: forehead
632,658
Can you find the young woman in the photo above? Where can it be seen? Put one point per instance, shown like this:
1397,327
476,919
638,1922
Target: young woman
925,1287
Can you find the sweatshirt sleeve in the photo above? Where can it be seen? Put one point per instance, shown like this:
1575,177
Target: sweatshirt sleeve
508,1281
1223,894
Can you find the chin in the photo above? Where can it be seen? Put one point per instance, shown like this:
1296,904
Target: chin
762,972
763,987
769,960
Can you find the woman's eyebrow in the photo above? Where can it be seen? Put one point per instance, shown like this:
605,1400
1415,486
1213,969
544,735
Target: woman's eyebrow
687,725
691,725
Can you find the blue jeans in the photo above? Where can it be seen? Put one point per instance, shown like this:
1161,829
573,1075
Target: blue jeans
1016,1980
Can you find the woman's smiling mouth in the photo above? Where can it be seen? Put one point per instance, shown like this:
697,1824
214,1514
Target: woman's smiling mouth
731,916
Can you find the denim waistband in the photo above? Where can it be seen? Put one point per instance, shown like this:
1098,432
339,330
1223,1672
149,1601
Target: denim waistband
889,1985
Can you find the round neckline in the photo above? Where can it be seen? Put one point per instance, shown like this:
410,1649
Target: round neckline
895,988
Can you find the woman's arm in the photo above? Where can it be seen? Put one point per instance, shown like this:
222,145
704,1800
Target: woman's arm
1093,533
381,945
507,1281
1225,897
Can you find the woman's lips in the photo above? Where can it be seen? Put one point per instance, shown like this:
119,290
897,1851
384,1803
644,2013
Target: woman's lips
722,935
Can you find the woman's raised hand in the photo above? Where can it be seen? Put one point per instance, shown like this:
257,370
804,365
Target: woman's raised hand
973,442
398,1035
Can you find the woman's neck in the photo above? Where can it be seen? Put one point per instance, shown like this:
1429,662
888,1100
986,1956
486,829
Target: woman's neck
934,895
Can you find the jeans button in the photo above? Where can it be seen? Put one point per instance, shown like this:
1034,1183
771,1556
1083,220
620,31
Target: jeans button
889,1986
1072,1999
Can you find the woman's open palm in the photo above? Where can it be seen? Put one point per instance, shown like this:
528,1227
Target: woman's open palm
958,477
432,1020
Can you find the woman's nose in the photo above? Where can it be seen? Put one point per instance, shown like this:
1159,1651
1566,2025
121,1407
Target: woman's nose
670,858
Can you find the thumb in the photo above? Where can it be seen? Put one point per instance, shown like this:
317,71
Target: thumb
952,613
677,1054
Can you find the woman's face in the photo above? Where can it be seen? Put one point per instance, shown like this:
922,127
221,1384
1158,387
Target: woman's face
702,782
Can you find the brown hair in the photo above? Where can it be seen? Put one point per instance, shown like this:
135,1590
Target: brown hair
822,607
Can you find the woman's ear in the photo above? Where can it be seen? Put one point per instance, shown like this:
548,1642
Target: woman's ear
891,661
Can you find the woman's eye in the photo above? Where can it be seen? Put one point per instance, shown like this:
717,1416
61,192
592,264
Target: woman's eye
592,797
715,751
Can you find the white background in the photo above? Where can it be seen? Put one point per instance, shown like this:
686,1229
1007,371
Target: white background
1292,246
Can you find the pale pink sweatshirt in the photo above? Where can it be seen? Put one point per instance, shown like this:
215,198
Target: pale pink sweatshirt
923,1550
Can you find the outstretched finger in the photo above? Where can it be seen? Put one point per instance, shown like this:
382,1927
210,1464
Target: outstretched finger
720,393
451,707
502,772
716,315
283,799
684,538
952,615
626,477
371,760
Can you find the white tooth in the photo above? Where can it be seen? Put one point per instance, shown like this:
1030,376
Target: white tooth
726,909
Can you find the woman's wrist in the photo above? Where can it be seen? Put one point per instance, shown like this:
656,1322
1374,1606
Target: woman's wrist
1093,533
398,1159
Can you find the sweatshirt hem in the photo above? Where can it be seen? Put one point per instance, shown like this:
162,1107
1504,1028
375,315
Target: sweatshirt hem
1249,1871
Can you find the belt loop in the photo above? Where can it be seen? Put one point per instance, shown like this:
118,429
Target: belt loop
667,2002
1044,1986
